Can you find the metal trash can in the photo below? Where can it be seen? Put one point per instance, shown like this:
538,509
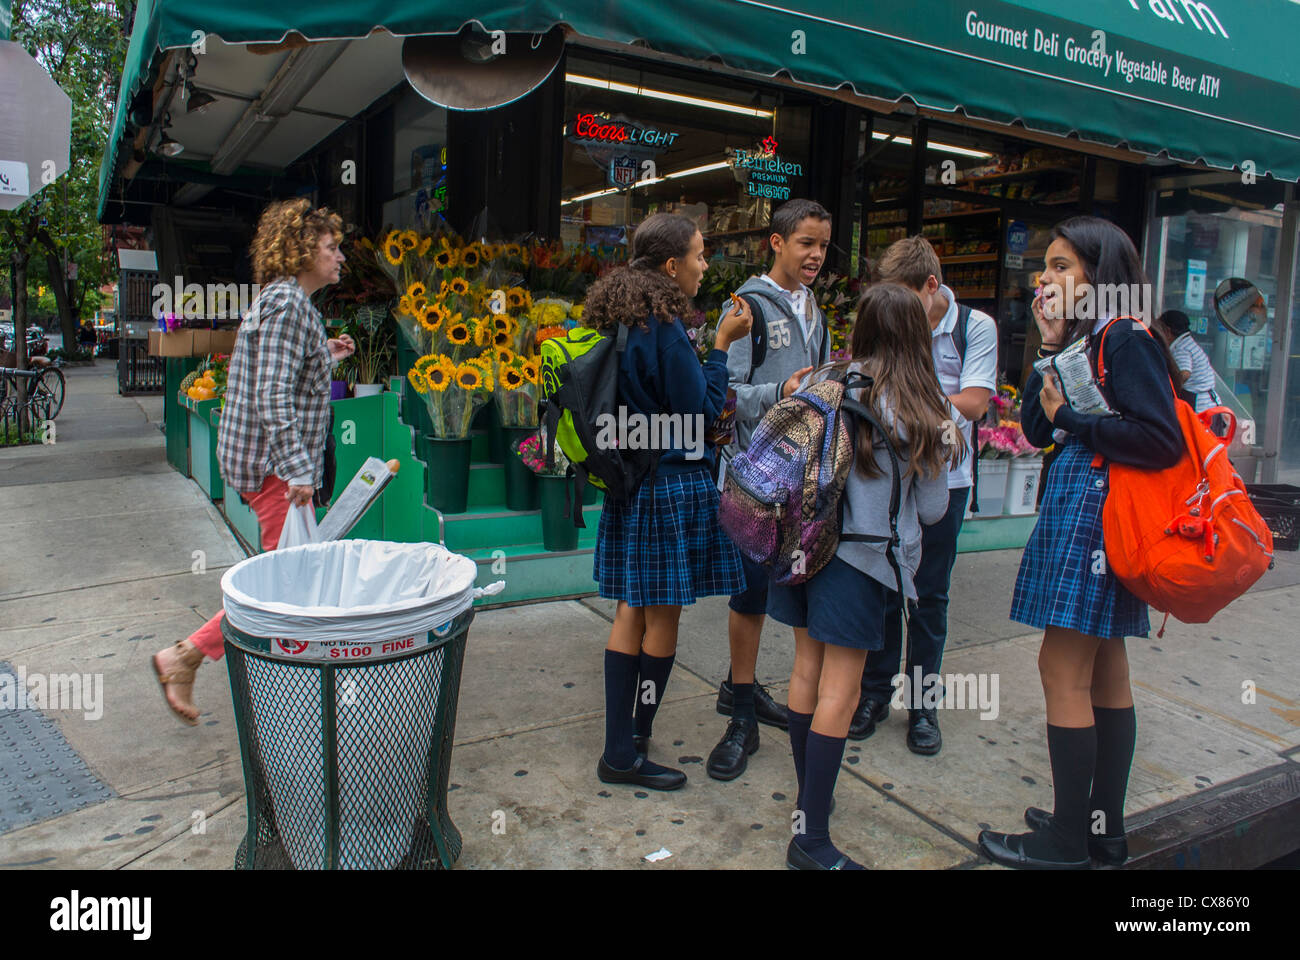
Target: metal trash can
346,723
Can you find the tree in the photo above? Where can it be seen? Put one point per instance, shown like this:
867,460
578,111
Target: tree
82,44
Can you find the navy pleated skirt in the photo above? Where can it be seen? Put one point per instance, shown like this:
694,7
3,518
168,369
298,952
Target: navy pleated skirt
665,547
1064,579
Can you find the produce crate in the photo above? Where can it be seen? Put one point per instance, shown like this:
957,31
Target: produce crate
1279,505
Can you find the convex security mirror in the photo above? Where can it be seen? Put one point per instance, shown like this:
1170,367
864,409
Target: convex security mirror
477,70
1240,306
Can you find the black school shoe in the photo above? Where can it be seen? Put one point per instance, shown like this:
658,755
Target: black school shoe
1112,851
766,709
1008,850
796,859
869,713
668,780
923,735
730,757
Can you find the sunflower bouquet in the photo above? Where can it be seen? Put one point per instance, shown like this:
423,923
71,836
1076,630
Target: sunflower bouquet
517,383
452,391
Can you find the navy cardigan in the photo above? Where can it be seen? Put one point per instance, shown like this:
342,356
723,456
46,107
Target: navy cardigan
1146,433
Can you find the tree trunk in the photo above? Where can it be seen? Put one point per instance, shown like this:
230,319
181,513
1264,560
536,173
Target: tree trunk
62,298
20,337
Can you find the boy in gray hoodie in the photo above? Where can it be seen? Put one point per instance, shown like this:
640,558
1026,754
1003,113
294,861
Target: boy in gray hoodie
788,339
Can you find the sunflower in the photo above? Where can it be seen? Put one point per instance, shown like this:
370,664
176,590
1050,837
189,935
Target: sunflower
512,249
530,371
504,323
483,361
515,297
459,285
469,377
424,246
482,331
445,259
439,376
404,305
409,239
433,316
511,378
419,305
501,339
458,331
416,290
491,251
393,250
505,355
417,379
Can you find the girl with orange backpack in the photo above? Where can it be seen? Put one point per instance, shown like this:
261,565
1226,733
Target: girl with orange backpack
1065,586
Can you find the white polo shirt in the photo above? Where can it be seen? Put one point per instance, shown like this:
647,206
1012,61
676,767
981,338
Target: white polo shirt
1189,356
979,370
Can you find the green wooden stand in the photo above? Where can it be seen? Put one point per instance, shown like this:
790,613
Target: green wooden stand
203,445
176,420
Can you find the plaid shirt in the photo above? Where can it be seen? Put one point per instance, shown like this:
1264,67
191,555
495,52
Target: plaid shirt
277,410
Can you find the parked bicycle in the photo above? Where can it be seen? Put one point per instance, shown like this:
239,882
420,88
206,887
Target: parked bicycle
44,399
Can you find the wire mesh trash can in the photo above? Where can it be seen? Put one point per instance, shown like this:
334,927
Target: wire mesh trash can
345,662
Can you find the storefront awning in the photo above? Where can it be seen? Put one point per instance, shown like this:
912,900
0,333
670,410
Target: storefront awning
1214,81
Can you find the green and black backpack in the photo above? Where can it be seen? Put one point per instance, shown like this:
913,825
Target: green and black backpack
579,380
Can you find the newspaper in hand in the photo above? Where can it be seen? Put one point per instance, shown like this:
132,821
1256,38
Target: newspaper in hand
356,498
1073,373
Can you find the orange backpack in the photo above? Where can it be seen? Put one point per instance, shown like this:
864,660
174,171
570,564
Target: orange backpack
1187,540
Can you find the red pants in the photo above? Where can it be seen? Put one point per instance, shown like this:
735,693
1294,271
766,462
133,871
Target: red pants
271,508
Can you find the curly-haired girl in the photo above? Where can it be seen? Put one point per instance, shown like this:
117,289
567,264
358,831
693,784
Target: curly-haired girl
662,548
271,441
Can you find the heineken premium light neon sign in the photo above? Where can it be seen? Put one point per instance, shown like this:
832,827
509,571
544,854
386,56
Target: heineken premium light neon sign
768,174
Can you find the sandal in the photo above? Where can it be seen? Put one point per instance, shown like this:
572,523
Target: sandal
184,673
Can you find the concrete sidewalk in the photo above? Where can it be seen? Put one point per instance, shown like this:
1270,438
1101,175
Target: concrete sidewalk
97,571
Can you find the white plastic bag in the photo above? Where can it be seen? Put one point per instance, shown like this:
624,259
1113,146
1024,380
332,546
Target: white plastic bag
299,527
358,591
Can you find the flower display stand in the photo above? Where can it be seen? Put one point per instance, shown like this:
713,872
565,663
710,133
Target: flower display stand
203,445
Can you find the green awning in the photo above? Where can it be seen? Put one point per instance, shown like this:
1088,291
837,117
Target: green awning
1215,81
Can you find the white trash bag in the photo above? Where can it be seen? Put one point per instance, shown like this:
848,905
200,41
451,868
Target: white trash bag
354,600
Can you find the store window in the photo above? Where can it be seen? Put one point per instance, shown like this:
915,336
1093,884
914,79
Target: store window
1288,465
419,189
988,204
639,142
1212,233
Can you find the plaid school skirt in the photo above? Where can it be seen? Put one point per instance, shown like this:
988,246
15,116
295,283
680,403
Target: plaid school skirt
1064,579
665,547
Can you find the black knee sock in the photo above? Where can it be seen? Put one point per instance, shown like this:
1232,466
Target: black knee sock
800,724
1073,751
1116,737
822,757
654,671
620,687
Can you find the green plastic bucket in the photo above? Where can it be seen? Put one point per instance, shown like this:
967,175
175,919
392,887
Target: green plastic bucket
446,481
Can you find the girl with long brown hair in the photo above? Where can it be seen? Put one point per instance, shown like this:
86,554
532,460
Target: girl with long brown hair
839,614
1065,587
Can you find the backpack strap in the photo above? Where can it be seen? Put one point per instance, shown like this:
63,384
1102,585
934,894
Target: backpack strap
960,339
758,330
854,381
959,333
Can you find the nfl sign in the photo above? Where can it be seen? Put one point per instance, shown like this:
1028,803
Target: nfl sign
623,171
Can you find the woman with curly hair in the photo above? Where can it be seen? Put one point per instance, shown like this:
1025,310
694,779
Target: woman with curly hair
271,441
663,547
